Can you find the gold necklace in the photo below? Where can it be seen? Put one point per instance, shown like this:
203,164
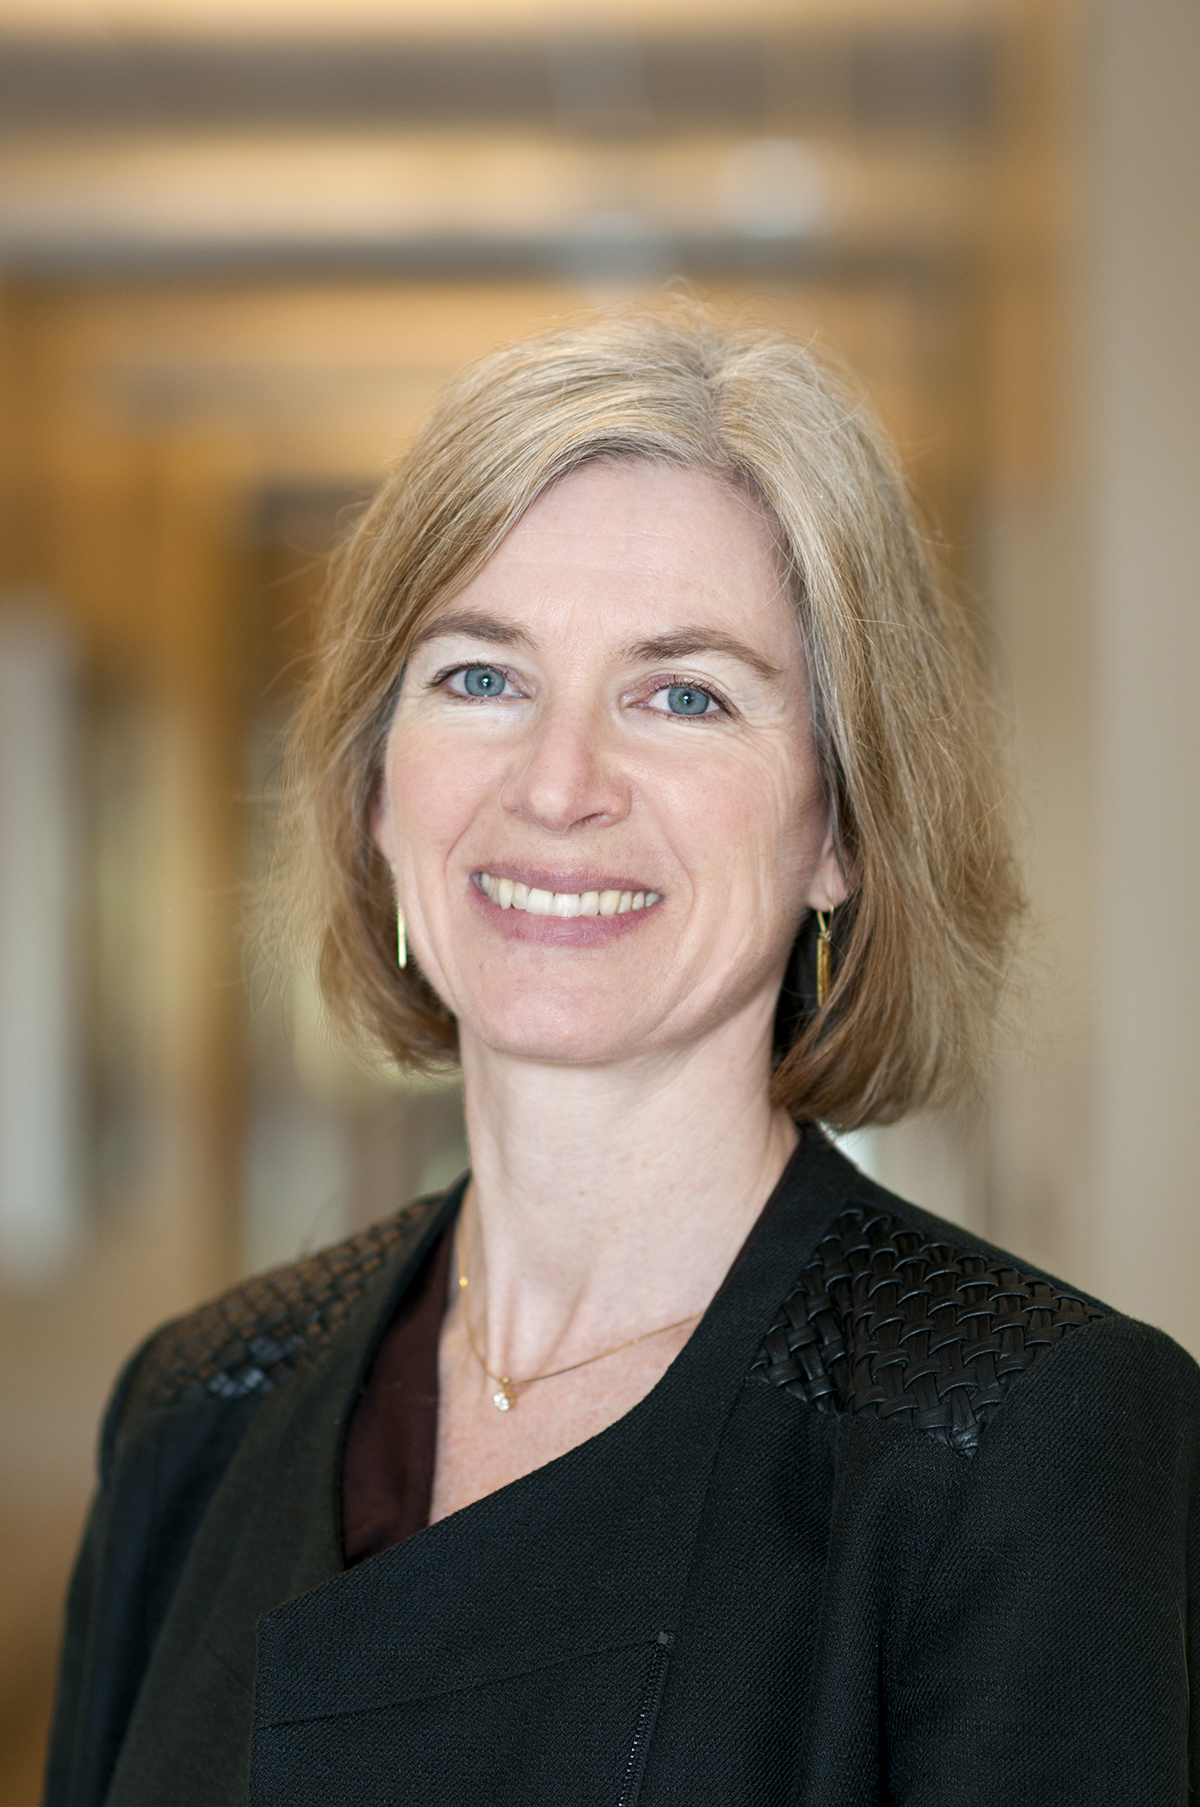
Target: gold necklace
506,1397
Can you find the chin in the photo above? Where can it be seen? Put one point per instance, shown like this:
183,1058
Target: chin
583,1037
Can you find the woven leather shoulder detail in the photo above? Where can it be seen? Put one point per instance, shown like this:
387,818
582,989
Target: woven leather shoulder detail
885,1320
258,1335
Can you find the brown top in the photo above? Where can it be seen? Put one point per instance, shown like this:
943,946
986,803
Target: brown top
391,1444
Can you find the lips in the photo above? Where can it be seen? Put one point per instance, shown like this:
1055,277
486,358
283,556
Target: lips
512,894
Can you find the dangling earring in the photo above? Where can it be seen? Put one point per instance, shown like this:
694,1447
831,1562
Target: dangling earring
824,958
401,930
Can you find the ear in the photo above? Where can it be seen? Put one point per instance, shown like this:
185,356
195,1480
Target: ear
827,886
383,831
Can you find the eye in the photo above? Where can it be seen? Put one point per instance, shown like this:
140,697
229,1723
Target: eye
688,699
482,680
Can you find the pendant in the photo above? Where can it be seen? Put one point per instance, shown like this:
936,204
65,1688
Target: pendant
503,1400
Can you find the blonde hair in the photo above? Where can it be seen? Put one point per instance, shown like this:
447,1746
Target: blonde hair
903,728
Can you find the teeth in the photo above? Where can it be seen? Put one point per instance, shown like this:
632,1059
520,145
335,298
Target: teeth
511,895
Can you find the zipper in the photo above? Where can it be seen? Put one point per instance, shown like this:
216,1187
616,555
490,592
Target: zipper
639,1750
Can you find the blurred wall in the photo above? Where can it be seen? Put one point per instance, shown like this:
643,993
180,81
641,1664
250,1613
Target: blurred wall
1138,395
1093,549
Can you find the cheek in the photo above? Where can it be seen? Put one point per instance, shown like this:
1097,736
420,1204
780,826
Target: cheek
759,820
435,790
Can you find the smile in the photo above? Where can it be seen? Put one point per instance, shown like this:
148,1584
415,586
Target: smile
511,895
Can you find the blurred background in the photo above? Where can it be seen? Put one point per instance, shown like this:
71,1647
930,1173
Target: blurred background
241,247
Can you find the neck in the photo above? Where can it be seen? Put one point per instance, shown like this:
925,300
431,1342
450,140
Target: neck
608,1200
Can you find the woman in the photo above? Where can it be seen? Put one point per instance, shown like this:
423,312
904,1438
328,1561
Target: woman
667,1458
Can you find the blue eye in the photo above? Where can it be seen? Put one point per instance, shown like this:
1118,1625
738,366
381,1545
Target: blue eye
682,699
483,680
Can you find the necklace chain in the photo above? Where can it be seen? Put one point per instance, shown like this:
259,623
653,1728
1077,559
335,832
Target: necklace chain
506,1398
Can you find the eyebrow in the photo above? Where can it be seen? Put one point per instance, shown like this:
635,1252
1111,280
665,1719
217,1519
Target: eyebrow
691,640
683,644
477,625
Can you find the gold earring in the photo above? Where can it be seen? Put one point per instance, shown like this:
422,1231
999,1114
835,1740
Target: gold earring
824,958
401,930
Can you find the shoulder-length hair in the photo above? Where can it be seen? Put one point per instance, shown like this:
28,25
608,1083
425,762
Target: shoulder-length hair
902,724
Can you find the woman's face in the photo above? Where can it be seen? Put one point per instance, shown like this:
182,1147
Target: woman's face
600,794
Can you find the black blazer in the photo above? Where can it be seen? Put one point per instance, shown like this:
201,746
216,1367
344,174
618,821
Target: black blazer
902,1523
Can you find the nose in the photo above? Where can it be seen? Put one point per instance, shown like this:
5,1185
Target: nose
566,775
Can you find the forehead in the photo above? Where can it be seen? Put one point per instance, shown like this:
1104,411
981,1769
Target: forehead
646,541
